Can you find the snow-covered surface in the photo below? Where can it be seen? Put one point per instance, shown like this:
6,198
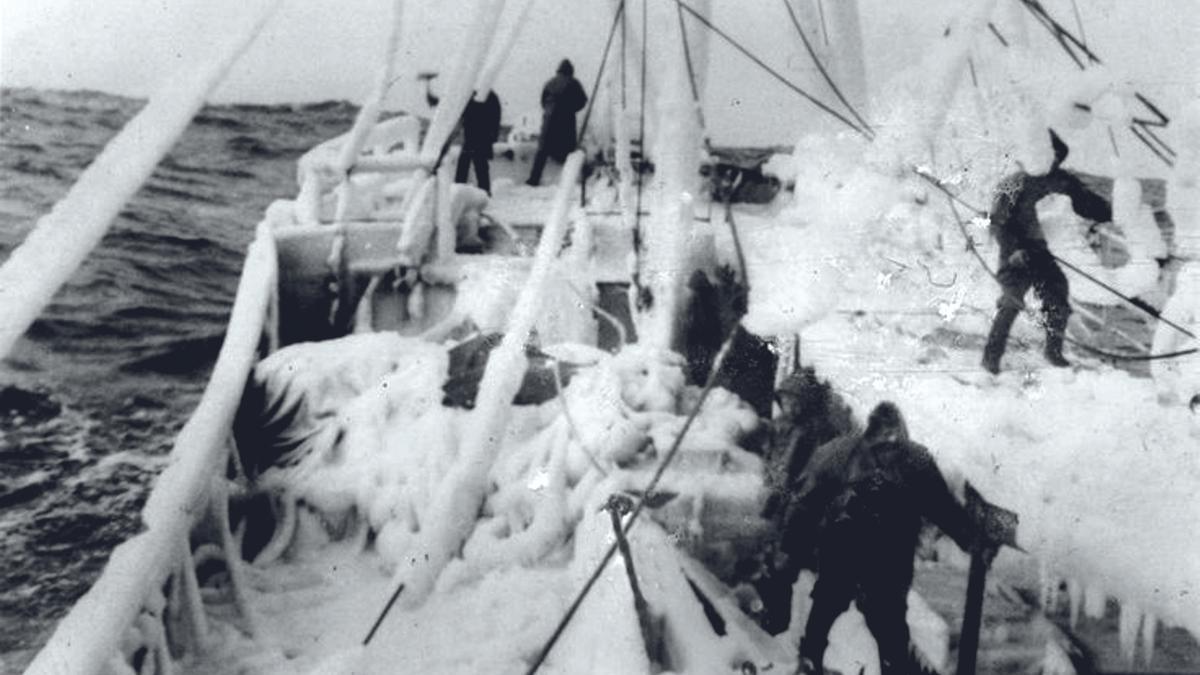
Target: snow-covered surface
1102,475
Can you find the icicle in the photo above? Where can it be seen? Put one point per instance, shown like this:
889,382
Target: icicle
1149,630
1048,585
1128,628
1075,598
1094,601
1056,661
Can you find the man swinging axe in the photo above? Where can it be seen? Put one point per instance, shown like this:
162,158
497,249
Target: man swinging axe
1025,259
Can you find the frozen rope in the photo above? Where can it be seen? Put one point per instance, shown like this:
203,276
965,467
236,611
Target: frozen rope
1139,304
951,198
821,68
617,326
574,429
641,505
771,71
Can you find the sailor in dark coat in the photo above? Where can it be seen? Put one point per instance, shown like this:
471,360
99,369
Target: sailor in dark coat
481,129
1025,260
862,500
562,97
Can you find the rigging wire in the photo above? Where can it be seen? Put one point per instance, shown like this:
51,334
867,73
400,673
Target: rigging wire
709,384
771,71
824,73
954,199
587,114
1079,20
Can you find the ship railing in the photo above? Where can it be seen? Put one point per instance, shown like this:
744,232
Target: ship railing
146,607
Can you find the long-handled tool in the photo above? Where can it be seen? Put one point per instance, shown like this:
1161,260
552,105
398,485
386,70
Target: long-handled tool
999,528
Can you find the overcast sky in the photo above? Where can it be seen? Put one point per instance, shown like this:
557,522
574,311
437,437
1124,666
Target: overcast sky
329,49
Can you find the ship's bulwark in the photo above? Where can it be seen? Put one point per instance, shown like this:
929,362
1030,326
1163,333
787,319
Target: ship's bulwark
91,400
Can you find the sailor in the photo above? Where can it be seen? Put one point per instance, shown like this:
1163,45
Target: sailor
481,129
1025,259
562,97
862,500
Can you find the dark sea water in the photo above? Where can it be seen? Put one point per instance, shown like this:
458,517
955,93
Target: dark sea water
91,399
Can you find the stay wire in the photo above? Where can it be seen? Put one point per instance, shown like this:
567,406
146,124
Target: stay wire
971,245
709,384
612,32
587,114
772,72
691,70
821,69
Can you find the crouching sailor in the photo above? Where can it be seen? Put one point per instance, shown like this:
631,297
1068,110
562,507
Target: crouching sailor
1025,259
868,495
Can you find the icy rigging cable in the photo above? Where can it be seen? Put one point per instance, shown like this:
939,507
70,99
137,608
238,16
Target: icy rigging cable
952,198
771,71
821,68
641,505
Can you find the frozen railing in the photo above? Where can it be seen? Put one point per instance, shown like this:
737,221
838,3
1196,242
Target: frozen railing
128,600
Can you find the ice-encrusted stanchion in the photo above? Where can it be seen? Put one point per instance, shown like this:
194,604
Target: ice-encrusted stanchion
672,242
463,77
498,56
364,122
420,212
86,639
63,238
455,506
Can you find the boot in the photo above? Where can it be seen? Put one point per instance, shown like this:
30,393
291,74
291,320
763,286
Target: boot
1056,326
1054,347
997,340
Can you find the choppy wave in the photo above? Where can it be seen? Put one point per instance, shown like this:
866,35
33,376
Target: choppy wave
116,363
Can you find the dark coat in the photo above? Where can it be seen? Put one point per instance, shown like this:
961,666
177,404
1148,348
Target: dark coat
481,125
1014,221
875,492
562,97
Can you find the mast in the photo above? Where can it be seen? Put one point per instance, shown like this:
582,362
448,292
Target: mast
673,245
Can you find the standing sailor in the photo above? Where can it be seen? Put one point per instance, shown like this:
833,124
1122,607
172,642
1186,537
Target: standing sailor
1025,259
562,97
481,129
862,500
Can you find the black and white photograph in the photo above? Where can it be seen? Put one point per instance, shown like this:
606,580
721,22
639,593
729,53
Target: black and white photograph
600,337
